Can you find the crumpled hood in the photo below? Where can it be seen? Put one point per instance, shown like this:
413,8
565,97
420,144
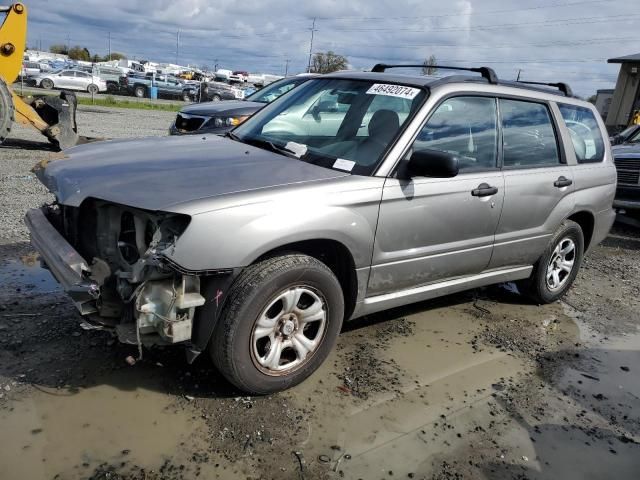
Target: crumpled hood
160,172
228,107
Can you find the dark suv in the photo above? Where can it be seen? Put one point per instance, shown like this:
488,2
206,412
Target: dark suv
627,160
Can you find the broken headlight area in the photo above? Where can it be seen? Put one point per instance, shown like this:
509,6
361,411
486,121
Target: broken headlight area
140,294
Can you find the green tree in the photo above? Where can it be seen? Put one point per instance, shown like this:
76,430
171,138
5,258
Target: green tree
79,53
115,56
428,66
328,62
59,48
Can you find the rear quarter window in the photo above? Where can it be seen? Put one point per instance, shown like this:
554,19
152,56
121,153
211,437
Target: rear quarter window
586,137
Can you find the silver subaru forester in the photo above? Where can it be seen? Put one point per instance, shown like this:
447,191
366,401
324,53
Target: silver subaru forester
354,193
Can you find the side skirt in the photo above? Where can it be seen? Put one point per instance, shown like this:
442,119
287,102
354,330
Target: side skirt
426,292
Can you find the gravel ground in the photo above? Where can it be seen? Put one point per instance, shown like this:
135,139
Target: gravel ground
478,385
19,189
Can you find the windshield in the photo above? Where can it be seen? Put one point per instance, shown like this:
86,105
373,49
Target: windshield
634,138
342,124
269,93
626,132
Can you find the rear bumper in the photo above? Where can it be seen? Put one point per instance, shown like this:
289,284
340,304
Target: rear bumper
65,263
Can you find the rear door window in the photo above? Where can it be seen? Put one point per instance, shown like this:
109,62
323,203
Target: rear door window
529,139
585,133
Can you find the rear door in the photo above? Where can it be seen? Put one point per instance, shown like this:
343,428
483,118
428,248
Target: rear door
538,182
66,79
433,229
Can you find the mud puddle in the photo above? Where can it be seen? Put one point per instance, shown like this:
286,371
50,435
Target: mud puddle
25,275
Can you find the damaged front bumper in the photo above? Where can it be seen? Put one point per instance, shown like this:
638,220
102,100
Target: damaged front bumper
65,263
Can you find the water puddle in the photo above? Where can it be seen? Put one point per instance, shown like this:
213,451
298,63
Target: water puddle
26,275
70,432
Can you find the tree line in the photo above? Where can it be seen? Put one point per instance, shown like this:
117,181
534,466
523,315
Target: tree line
82,53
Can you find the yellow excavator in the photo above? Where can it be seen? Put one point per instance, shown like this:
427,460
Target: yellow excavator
54,116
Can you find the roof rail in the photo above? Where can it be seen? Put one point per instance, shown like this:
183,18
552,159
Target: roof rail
486,72
563,87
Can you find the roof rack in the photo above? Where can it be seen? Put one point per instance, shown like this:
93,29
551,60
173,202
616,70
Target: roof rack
486,72
563,87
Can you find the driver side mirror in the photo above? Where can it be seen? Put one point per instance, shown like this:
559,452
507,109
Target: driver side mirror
433,163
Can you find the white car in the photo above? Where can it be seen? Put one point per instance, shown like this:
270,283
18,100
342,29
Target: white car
71,80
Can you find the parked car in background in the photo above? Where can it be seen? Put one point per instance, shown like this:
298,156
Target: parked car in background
168,86
220,117
255,248
70,80
217,91
30,69
625,135
627,160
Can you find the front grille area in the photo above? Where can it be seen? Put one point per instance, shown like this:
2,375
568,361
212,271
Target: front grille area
628,170
188,123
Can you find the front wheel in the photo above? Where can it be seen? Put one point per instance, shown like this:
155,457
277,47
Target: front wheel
558,266
46,84
216,98
186,97
140,92
279,323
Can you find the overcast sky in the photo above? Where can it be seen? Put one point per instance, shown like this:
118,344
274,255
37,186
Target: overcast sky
549,40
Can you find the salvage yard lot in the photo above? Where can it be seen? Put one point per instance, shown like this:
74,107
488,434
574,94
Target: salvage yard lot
477,385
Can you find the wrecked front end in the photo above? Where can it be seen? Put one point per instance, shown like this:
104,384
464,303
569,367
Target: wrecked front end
111,259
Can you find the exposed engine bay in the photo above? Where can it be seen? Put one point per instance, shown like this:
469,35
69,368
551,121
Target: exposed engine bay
139,292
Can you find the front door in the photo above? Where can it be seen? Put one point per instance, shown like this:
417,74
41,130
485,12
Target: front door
432,229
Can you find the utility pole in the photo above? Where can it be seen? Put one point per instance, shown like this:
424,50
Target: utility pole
68,41
109,46
177,46
286,67
313,30
518,77
215,65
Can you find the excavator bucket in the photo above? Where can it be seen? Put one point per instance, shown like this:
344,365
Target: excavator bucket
54,116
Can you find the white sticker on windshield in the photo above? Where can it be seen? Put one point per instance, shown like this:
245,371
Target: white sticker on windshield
342,164
393,91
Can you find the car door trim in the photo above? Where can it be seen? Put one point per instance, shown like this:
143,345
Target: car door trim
402,297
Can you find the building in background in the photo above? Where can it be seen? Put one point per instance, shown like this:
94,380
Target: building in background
603,101
626,97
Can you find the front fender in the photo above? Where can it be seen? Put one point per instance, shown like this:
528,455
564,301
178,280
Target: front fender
236,236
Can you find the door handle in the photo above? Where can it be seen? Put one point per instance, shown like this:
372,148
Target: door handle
484,190
562,182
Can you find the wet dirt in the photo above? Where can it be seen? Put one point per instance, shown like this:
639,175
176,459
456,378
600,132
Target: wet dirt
477,385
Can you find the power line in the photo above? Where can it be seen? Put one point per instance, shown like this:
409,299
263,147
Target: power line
543,23
489,12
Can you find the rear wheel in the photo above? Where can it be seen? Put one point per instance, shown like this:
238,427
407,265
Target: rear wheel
557,268
93,89
140,91
47,84
6,111
279,323
216,98
186,97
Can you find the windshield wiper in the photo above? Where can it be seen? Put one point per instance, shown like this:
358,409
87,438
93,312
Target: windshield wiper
232,136
261,143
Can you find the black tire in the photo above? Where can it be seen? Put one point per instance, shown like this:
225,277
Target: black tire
537,286
232,346
186,97
216,98
140,91
6,111
112,87
93,89
47,84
